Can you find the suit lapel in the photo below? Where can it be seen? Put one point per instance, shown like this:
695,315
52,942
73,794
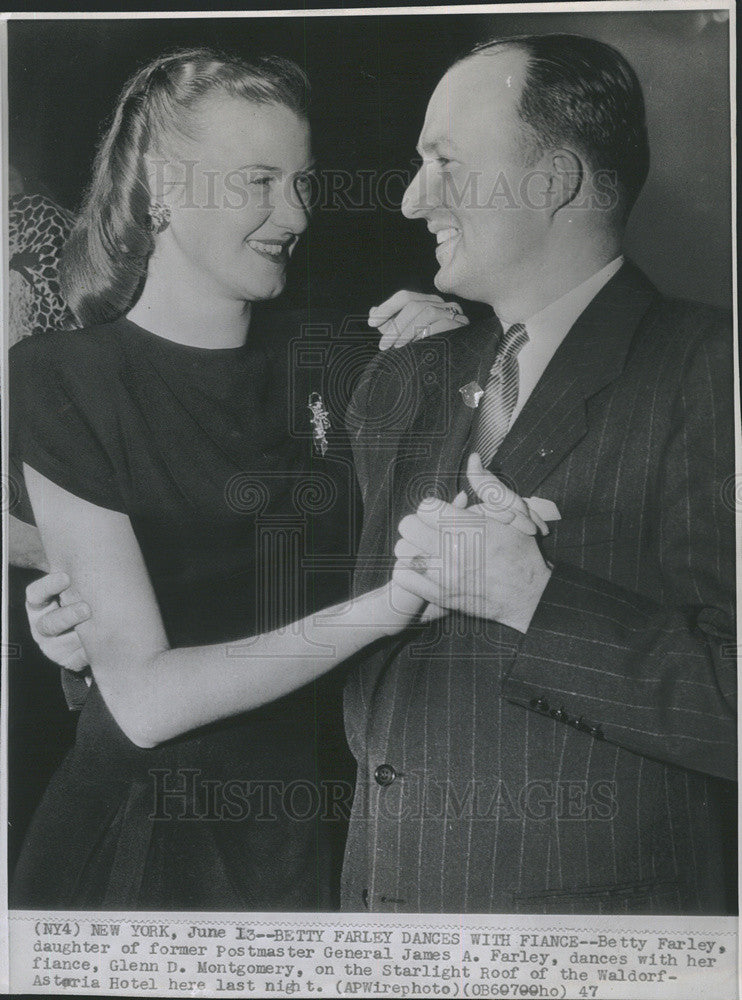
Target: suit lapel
443,420
592,355
554,419
426,458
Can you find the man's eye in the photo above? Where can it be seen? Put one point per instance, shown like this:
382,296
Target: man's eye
262,181
442,161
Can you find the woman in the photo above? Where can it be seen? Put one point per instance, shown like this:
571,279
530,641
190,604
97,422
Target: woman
167,477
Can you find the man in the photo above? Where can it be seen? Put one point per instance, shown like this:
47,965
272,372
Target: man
548,746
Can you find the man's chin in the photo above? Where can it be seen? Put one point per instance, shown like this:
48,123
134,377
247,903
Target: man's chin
462,283
445,282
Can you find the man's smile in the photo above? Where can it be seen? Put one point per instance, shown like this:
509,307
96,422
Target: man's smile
447,240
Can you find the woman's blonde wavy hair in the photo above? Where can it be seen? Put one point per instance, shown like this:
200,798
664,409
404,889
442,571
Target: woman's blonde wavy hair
104,263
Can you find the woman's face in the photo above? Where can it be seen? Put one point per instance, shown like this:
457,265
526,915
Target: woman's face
238,199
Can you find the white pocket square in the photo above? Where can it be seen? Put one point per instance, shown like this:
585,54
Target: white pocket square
547,510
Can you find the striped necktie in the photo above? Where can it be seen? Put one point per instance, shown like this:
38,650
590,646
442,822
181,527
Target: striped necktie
500,394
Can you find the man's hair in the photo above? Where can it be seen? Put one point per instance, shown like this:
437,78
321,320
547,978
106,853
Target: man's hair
582,93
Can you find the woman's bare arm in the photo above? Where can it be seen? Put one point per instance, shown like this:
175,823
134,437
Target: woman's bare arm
154,692
24,544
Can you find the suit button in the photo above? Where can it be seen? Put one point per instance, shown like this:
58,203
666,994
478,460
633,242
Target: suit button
385,774
540,704
559,714
597,732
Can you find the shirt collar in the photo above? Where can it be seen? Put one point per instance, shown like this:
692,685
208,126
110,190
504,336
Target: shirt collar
554,322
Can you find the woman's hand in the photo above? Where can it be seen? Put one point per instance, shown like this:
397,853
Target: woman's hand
482,561
405,565
408,316
53,623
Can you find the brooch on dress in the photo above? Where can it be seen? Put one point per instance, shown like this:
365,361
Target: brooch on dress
320,421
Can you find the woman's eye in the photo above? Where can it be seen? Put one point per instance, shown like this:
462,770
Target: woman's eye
304,185
262,181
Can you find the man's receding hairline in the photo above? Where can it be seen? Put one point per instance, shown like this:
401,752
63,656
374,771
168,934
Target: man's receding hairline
493,49
525,136
497,48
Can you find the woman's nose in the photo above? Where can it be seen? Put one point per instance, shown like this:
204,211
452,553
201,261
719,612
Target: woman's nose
290,210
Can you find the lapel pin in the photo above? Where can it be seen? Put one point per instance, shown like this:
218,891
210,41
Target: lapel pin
471,393
320,421
544,453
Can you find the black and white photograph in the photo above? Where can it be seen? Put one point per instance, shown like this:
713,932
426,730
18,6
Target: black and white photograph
370,498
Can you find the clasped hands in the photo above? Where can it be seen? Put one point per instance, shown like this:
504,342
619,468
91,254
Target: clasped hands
482,561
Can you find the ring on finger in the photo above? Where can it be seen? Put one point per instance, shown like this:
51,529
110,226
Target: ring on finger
419,564
452,311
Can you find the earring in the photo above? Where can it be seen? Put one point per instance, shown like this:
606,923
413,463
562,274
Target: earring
158,217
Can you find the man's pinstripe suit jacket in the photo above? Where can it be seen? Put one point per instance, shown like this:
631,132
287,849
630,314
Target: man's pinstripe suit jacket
570,769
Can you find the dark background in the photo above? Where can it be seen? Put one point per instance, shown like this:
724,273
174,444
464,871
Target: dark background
371,77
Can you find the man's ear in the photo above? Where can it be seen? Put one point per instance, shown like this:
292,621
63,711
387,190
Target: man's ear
566,178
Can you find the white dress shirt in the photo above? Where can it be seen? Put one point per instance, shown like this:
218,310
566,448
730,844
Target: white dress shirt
548,328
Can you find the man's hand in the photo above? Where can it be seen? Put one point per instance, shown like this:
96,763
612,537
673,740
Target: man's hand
408,316
483,561
53,612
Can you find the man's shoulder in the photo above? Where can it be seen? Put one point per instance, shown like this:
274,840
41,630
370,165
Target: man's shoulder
657,319
681,327
695,317
393,383
396,369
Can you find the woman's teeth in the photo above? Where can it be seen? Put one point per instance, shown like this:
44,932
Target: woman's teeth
274,250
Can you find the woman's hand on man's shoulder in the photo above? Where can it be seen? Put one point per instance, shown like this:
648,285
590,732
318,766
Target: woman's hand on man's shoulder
408,316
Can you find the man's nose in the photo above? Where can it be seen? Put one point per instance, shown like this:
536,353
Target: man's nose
417,199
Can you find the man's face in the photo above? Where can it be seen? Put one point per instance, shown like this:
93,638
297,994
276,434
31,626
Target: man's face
473,187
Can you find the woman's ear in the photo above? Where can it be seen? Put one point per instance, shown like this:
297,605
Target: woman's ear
154,168
566,178
171,180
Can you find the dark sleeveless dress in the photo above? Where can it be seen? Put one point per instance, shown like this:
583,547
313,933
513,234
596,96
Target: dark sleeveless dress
244,527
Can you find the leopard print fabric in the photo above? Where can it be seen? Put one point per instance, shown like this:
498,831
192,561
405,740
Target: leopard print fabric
38,231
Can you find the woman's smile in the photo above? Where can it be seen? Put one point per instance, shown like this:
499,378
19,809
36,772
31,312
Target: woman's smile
276,251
